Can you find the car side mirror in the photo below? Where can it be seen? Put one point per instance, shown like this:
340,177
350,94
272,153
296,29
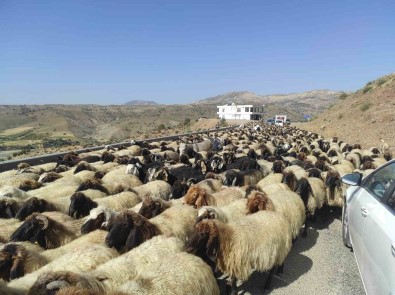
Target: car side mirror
352,179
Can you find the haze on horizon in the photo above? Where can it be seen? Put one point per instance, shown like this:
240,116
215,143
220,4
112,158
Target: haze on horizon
172,52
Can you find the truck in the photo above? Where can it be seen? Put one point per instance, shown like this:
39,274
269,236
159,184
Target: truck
280,120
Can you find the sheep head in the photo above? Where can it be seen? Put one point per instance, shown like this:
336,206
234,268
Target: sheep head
206,213
83,166
178,189
205,240
303,188
129,230
196,197
96,220
258,201
51,282
278,166
8,208
49,177
33,229
12,259
80,205
31,206
289,179
92,184
151,207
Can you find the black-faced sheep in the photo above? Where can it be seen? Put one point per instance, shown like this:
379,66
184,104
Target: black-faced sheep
188,273
80,204
257,242
198,197
130,229
111,274
48,229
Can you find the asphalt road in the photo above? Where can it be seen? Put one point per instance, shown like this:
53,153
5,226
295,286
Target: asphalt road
318,264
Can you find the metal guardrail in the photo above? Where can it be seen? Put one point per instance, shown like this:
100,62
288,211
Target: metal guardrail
12,164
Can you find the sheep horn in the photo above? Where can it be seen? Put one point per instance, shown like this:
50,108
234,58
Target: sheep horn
44,219
57,285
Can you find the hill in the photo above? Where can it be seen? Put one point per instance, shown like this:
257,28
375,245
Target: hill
362,117
141,102
50,128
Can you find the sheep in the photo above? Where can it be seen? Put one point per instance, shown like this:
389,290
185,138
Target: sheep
92,183
49,177
83,258
117,181
16,260
248,177
270,179
205,145
231,212
179,272
288,204
25,184
130,229
80,204
48,229
94,237
113,273
199,197
152,206
9,207
334,189
257,242
41,205
156,188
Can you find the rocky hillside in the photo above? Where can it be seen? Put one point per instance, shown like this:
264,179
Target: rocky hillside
141,102
295,105
363,117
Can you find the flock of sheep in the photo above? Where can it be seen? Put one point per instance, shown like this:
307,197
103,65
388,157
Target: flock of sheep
169,217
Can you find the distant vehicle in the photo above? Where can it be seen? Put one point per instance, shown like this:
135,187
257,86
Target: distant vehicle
368,222
280,119
287,122
270,121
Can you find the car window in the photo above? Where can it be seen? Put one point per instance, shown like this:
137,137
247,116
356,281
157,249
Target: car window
379,181
391,201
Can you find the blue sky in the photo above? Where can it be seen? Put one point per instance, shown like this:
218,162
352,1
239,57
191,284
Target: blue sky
110,52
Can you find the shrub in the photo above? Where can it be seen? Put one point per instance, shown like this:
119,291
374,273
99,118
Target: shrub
381,81
340,116
366,106
343,96
367,88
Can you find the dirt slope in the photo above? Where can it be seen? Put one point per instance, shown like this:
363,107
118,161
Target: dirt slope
363,117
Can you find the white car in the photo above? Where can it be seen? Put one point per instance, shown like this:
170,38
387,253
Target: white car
368,222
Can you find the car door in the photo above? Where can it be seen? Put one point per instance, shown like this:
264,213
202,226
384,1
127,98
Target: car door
379,246
364,203
358,206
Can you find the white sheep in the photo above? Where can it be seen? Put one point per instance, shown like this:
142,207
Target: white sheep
81,259
110,275
289,204
176,273
156,188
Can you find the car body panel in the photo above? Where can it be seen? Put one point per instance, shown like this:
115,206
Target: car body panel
369,227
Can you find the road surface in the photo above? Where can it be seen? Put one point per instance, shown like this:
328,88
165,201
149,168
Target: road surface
318,264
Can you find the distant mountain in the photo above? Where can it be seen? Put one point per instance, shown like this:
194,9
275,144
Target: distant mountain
141,103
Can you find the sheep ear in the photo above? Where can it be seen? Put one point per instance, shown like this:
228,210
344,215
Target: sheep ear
9,211
212,248
134,238
156,211
17,269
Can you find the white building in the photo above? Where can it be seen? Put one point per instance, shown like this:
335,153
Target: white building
240,112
